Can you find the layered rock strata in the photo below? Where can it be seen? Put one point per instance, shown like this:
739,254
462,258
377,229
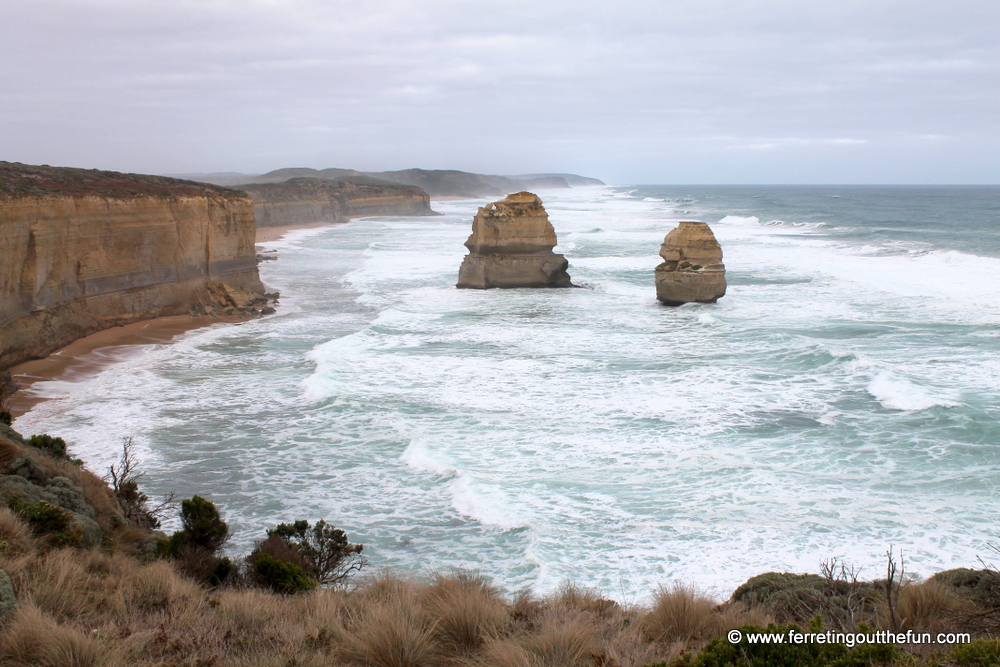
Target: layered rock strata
692,268
308,200
86,250
511,246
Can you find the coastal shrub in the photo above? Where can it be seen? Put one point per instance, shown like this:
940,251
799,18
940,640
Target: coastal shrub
721,653
203,525
48,444
45,519
195,546
329,557
124,480
280,576
55,447
203,528
6,418
837,595
979,653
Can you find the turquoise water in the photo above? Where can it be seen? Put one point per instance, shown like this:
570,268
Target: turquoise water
841,399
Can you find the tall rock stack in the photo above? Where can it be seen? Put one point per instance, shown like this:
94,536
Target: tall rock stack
511,246
692,268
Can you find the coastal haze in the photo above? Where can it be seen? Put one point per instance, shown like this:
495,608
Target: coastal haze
641,92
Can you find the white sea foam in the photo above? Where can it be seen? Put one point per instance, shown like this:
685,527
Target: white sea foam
899,394
591,434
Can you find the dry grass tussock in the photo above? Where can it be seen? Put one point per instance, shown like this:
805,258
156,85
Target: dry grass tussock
100,609
32,638
108,609
15,535
930,607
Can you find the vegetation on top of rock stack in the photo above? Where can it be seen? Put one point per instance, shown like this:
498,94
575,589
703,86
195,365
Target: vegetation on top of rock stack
23,180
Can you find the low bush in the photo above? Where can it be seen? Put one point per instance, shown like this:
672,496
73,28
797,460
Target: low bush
46,519
195,546
979,653
124,480
720,652
278,575
328,555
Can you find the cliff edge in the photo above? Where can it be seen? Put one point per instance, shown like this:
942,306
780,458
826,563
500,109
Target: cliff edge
306,200
85,250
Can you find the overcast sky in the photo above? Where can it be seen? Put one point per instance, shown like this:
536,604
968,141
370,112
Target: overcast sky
690,91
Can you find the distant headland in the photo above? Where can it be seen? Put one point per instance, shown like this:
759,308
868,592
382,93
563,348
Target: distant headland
435,182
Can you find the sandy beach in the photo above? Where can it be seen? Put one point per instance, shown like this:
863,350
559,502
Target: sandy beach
89,355
268,234
81,357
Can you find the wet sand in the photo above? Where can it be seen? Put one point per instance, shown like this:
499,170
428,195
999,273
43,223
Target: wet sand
89,355
266,234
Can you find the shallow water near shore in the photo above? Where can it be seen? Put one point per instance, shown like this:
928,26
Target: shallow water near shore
842,398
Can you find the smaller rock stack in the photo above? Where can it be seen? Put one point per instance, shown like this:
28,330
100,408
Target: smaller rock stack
692,268
511,246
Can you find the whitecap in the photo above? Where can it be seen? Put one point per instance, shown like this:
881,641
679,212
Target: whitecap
418,457
899,394
485,503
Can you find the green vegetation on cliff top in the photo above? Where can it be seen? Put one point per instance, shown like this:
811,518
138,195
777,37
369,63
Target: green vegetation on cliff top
23,180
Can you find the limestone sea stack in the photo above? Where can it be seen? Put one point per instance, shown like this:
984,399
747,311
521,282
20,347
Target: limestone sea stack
692,268
511,246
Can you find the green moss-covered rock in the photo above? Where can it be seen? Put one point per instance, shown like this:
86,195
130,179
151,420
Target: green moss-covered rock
800,597
80,529
979,585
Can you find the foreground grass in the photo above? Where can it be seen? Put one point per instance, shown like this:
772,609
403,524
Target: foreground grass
66,602
90,608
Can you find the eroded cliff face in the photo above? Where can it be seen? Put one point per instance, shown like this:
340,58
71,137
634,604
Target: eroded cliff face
692,268
82,251
511,246
307,200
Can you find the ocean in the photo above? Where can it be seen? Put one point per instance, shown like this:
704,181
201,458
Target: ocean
842,399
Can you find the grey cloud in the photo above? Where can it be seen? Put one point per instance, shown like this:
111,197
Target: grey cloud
698,91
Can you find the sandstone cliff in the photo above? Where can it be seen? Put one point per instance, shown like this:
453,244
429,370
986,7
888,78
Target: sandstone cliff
511,246
692,268
307,200
86,250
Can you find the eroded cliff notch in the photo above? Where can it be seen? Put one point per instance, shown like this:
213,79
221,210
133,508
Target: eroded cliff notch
511,246
692,268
